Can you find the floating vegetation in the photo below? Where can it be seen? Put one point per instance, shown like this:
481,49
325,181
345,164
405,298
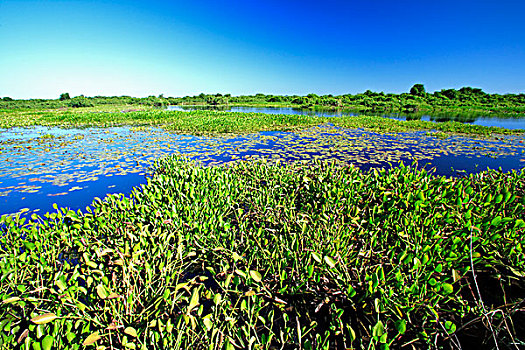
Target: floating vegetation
255,255
217,122
94,158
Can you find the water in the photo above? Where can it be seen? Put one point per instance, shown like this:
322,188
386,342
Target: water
502,121
267,110
40,166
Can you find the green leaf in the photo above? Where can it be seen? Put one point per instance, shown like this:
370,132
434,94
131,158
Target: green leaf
194,301
131,331
496,221
401,326
316,257
447,288
383,339
208,322
102,291
47,342
70,336
61,285
378,329
10,300
256,276
351,291
236,256
45,318
517,272
329,261
519,223
450,327
92,338
351,332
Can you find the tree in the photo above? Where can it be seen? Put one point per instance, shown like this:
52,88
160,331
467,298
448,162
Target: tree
65,96
80,101
418,90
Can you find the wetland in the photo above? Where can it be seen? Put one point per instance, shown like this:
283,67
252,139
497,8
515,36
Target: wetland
176,229
40,166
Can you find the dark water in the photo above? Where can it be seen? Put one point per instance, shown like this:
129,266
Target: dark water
502,121
40,166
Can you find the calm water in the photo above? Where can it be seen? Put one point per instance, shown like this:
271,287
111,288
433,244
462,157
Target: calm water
40,166
476,119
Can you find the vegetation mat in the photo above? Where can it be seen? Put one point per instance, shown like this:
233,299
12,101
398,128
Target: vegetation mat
216,122
258,256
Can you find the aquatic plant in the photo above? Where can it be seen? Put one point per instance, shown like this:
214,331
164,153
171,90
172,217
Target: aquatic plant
254,255
218,122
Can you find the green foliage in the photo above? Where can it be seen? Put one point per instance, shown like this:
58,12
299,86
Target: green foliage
418,89
464,100
205,121
271,256
80,101
64,96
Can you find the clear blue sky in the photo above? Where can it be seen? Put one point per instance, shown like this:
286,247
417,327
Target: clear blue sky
180,48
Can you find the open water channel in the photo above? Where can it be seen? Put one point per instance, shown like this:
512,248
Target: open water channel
40,166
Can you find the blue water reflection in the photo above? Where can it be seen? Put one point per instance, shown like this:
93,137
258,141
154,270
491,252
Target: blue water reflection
40,166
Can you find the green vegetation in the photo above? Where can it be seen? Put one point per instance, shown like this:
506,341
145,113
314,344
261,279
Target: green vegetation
418,89
65,96
259,255
464,100
271,256
201,122
65,101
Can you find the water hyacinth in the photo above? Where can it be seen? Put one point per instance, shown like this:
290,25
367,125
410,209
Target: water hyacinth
218,122
256,255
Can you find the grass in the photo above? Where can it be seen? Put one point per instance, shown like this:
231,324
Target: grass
214,122
265,256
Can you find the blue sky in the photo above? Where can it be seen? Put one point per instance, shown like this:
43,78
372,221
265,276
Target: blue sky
179,48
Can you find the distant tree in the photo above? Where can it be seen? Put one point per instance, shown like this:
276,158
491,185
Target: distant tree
80,101
275,99
300,100
64,96
7,99
451,94
418,90
467,90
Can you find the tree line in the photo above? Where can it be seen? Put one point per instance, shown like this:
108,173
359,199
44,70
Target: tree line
416,100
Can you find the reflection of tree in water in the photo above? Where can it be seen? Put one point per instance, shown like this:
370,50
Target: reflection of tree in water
463,118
